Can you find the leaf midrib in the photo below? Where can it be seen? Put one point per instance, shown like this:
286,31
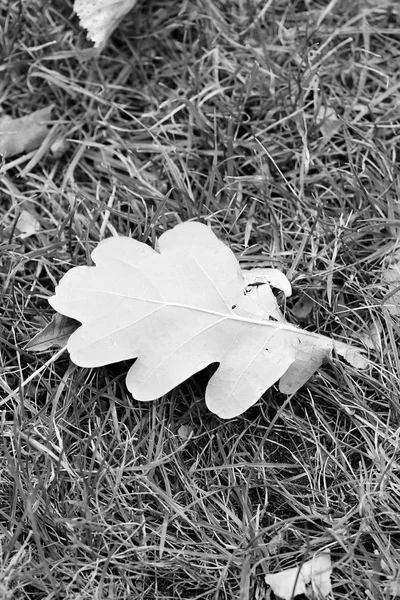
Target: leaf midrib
228,315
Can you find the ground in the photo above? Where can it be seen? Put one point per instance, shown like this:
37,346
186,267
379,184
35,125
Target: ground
276,123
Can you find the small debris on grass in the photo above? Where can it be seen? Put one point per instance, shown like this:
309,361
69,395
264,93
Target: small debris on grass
23,134
185,432
328,121
59,147
27,224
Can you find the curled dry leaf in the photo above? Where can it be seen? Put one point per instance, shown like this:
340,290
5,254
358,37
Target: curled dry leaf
23,134
312,578
179,310
55,334
101,17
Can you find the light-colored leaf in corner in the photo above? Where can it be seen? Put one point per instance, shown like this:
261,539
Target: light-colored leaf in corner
180,309
23,134
312,578
101,17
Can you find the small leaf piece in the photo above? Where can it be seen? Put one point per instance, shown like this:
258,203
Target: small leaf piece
391,279
179,310
23,134
312,579
101,17
27,224
328,121
185,432
55,334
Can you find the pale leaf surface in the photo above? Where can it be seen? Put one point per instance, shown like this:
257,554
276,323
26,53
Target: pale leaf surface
23,134
328,121
27,224
101,17
312,578
391,279
180,309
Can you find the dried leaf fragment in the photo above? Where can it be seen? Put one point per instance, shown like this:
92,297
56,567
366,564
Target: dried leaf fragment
185,432
391,279
27,224
328,121
311,578
23,134
180,309
55,334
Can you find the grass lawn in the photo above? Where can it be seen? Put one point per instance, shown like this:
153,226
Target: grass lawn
276,122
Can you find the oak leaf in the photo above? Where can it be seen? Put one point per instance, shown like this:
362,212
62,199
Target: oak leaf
181,308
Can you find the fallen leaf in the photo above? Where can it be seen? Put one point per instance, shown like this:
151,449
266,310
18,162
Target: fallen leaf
179,310
23,134
55,334
101,17
391,279
311,578
185,432
27,224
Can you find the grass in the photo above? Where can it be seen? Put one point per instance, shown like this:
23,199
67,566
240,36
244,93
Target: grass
213,111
